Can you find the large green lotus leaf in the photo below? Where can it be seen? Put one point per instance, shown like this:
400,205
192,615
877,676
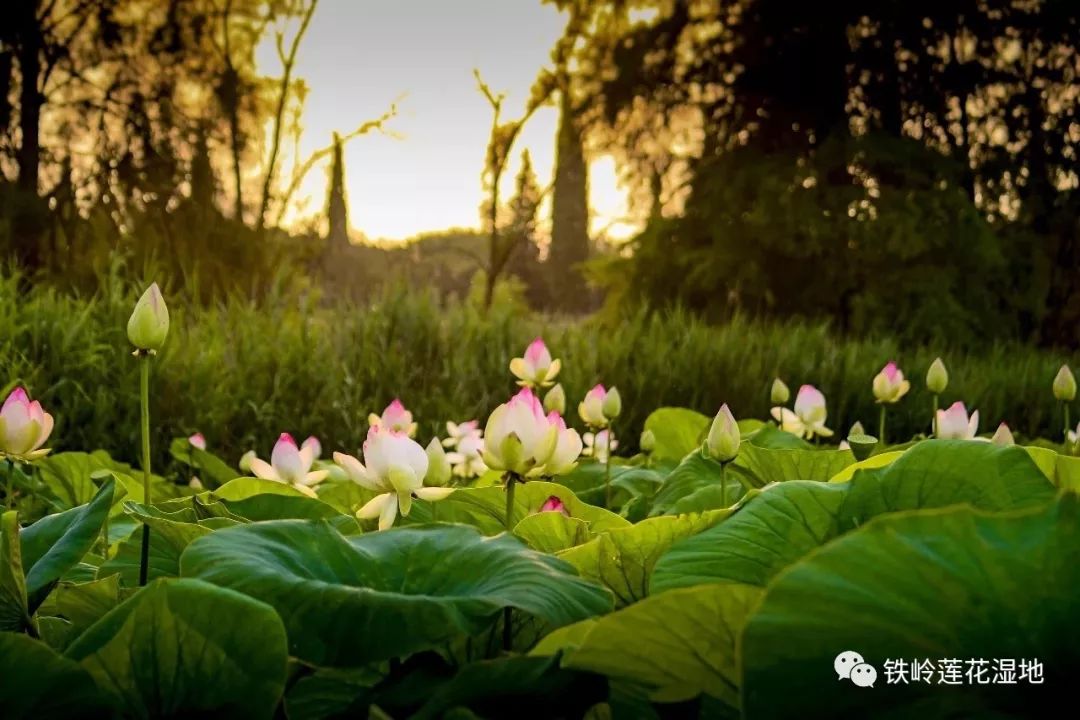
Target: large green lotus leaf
515,687
782,464
679,644
14,614
695,475
485,508
36,683
256,499
71,608
349,601
678,431
1063,470
950,584
778,526
181,648
552,531
56,543
623,559
871,463
587,481
164,560
770,436
69,474
213,470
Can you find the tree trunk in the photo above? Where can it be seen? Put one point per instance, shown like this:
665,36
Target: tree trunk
569,212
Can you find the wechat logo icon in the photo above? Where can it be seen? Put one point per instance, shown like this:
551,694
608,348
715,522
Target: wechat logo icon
850,665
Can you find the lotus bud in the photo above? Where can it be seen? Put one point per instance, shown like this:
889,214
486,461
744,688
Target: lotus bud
24,427
955,424
554,504
148,325
648,441
889,384
198,441
937,377
856,429
780,393
612,404
555,400
722,443
1065,385
439,469
1003,436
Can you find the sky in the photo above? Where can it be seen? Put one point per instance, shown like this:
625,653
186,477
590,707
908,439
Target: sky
360,56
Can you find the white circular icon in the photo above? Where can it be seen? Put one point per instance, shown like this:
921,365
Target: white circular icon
863,675
845,661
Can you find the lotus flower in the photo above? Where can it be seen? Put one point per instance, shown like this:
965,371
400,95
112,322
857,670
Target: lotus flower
722,443
1072,441
890,385
596,445
315,447
809,416
600,407
466,459
198,441
24,427
568,448
1003,436
148,325
396,468
395,418
554,504
439,470
519,438
245,460
955,424
536,368
290,465
455,433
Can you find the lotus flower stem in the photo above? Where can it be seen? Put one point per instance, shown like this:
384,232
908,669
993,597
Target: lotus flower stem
881,425
933,417
1065,413
607,471
9,484
723,483
508,629
144,398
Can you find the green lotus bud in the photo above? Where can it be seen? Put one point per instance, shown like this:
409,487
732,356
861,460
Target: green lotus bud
862,446
648,441
723,441
937,377
856,429
1065,385
612,404
439,469
555,400
149,323
780,393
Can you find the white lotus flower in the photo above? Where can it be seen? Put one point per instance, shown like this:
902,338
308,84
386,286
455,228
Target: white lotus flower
535,368
596,445
890,385
568,448
290,465
600,406
24,427
1003,436
395,468
809,416
394,418
954,423
519,438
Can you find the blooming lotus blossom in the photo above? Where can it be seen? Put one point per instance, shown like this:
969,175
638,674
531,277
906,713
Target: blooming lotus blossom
955,424
198,441
396,467
519,438
809,416
536,368
890,385
455,433
1072,441
596,445
395,418
554,504
600,407
291,465
466,459
1003,436
24,427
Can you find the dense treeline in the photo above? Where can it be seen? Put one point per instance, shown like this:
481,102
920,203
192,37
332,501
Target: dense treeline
900,167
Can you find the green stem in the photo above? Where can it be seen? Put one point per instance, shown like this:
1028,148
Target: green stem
723,483
144,397
881,426
9,484
1065,411
607,472
933,417
508,628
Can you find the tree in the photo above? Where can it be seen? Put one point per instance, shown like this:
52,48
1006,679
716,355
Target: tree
337,208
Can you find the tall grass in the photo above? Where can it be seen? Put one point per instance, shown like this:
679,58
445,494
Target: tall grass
241,374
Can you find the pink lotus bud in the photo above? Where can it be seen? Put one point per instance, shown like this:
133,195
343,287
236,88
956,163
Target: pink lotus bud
554,504
955,424
197,440
535,368
24,427
890,385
